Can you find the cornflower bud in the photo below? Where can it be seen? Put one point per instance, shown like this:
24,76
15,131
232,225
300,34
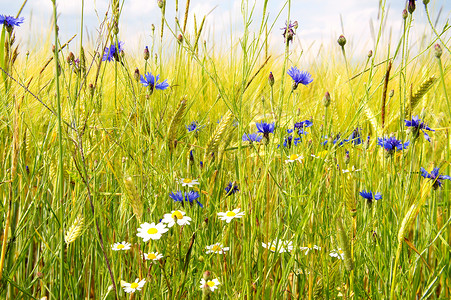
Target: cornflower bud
180,38
404,14
146,53
370,53
411,6
341,41
271,79
161,3
438,50
136,74
326,99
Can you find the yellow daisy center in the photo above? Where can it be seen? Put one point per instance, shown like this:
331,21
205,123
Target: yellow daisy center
151,256
134,285
210,283
294,156
177,214
273,248
216,248
120,246
309,245
230,214
152,230
340,251
187,180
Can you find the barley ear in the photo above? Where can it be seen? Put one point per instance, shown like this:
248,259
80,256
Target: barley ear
218,136
75,230
134,197
174,126
343,242
416,97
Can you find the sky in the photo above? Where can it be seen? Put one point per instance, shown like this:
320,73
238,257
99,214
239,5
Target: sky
320,22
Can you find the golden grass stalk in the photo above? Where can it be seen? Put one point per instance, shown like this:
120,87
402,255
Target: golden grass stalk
174,126
134,198
343,242
75,230
405,226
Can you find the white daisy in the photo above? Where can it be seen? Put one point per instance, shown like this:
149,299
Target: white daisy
134,286
352,170
176,215
294,157
211,284
189,182
216,248
230,215
151,231
338,253
153,256
309,247
121,246
280,246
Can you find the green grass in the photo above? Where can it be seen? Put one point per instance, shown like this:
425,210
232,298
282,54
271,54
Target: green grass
119,151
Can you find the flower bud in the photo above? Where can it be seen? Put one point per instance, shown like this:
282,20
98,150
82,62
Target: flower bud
271,79
180,38
326,99
411,6
347,158
136,74
438,50
392,92
152,28
370,53
295,24
91,89
161,3
404,14
146,53
425,2
207,275
341,41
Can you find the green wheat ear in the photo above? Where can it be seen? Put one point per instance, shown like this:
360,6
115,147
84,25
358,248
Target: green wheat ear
134,198
343,242
75,230
174,126
418,95
218,136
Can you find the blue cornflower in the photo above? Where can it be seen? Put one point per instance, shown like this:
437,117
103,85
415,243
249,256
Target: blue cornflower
355,137
231,189
150,81
251,137
369,196
265,128
417,125
190,196
10,21
289,141
334,140
391,144
288,31
298,77
193,126
434,175
113,52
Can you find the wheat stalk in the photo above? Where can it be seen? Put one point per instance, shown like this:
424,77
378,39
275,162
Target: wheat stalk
218,135
74,231
174,126
134,197
416,97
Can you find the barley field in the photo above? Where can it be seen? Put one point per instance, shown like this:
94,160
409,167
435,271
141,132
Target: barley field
194,171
